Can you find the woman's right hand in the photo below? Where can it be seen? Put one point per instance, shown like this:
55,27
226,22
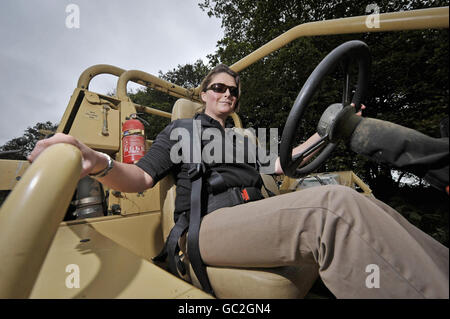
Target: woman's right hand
92,160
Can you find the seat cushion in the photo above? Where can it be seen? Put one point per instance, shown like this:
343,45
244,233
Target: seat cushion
289,282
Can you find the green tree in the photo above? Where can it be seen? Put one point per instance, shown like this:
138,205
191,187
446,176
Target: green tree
20,147
188,75
25,144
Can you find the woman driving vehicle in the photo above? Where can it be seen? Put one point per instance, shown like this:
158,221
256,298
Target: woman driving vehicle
337,229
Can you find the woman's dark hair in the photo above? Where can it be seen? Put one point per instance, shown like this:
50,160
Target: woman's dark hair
222,68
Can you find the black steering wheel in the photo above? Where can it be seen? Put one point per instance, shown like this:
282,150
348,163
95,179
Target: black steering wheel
356,51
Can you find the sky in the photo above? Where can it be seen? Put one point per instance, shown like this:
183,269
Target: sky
44,48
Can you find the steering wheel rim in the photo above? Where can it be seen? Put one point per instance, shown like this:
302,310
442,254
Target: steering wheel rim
351,50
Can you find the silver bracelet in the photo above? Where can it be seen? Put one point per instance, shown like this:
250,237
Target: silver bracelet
104,172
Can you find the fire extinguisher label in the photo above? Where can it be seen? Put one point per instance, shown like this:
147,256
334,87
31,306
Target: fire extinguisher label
133,148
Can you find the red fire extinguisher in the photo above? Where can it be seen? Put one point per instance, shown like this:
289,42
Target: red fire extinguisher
133,140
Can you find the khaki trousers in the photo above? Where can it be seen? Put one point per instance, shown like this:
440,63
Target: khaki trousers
363,248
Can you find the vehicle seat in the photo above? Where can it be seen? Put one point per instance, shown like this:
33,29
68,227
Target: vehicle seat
281,282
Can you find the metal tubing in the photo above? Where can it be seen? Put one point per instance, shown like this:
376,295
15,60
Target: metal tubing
361,184
88,74
394,21
30,216
405,20
150,110
150,81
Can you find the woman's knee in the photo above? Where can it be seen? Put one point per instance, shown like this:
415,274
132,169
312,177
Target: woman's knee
326,197
339,188
340,191
343,198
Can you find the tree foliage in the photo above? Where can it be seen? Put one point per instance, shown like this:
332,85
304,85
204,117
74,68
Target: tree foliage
25,144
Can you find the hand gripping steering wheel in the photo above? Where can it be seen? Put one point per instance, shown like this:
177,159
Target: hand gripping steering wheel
349,51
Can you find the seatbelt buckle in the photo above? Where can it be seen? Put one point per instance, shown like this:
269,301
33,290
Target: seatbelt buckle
244,195
195,170
250,194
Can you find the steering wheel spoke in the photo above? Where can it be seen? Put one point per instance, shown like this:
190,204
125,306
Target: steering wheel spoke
298,158
346,87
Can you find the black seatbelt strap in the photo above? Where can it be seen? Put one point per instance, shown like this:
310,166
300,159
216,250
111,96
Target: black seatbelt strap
172,249
195,174
193,248
176,266
232,197
216,183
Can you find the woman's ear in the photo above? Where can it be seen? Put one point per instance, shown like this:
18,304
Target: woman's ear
203,96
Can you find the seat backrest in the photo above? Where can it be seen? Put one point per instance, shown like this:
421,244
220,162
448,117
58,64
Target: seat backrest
185,109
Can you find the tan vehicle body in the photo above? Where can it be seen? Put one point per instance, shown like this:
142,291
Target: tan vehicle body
41,255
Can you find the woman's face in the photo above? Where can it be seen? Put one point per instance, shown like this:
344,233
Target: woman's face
220,104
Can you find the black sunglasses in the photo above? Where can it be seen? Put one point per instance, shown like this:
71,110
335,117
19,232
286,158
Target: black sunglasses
222,88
